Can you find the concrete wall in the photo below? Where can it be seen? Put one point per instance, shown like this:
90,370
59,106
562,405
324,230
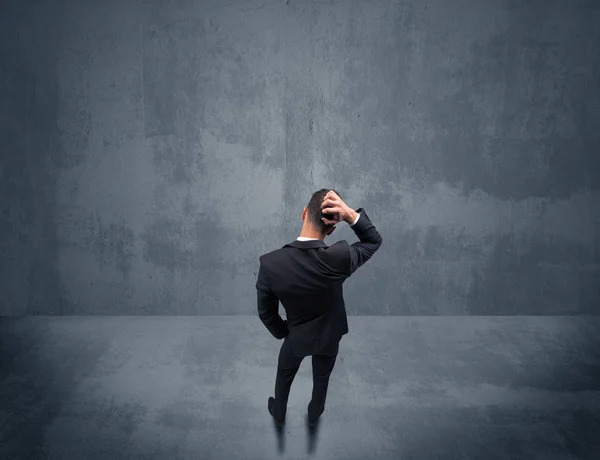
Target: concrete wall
151,151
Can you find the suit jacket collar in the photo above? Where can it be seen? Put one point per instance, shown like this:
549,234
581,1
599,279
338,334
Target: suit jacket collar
310,244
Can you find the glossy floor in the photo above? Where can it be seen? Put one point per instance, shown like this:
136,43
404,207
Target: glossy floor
197,388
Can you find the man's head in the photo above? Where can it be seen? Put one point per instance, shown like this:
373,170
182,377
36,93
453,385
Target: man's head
313,226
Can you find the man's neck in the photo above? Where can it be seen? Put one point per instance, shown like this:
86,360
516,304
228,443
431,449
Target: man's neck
307,233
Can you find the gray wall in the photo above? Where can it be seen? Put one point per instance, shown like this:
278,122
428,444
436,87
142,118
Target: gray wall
151,151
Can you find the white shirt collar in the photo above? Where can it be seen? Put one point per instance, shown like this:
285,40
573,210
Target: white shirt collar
304,238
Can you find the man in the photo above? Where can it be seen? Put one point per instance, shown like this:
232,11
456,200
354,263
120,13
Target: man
307,277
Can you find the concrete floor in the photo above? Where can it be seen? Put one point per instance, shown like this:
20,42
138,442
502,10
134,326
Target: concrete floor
197,387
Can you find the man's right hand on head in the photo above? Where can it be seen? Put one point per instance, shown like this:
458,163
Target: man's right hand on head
331,219
333,204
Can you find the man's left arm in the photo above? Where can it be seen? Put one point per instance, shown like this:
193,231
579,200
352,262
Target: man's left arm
268,307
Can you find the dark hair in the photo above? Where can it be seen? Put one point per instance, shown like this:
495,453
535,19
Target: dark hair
314,214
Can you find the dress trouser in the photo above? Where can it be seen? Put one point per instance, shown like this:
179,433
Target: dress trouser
287,367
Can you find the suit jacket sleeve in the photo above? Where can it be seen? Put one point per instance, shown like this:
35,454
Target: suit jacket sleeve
268,306
370,241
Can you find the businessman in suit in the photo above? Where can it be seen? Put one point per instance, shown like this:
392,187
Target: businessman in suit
307,276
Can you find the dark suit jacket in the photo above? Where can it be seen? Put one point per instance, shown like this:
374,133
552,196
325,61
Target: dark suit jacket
307,277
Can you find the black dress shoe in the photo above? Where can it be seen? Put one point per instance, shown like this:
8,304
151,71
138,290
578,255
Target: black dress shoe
271,404
312,422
